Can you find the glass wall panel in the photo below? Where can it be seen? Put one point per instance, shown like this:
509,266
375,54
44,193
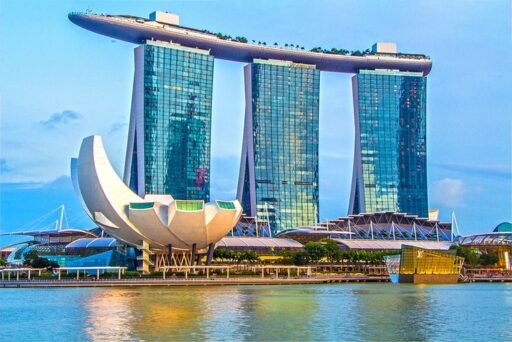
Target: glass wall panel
284,111
391,121
177,121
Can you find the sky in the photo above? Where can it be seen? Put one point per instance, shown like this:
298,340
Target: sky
60,83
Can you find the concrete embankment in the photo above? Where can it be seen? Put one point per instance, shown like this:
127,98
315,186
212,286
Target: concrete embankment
490,280
186,282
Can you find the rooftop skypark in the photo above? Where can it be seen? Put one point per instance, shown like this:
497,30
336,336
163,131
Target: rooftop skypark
165,27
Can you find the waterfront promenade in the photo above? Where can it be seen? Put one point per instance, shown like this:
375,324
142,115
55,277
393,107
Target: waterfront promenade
197,281
216,281
218,275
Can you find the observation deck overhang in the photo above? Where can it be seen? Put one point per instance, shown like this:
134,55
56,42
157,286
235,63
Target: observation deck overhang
138,30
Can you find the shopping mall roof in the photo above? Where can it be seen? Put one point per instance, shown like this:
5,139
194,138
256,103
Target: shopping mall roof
391,245
138,30
487,239
388,226
257,242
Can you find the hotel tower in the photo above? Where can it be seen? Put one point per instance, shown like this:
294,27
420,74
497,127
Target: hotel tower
279,167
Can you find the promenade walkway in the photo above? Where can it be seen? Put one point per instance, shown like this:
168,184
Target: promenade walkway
197,281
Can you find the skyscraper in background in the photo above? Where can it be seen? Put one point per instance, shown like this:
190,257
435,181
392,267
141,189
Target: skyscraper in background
279,167
170,125
390,161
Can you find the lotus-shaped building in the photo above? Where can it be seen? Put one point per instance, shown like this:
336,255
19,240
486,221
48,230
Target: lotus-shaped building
158,222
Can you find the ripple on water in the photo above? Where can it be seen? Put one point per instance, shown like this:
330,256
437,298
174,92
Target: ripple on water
351,312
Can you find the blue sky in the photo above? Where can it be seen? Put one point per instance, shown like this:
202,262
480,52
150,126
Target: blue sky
59,83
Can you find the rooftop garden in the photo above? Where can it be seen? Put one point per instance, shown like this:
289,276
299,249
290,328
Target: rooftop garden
331,51
292,46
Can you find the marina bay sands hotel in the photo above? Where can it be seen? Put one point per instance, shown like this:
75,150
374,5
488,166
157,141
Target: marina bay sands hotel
170,126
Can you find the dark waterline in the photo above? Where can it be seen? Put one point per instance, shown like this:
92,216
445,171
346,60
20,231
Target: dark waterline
376,312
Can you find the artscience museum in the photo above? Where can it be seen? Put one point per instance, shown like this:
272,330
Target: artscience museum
179,232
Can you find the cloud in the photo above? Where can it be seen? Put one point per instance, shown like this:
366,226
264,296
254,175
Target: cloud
497,170
59,183
3,166
116,126
449,192
63,117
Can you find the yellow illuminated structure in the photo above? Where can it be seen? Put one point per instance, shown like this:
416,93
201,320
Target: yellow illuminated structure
418,265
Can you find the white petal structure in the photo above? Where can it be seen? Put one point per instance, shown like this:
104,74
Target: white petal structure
158,220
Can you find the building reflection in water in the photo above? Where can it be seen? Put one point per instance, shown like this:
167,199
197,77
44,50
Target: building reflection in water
349,312
109,314
400,312
362,312
152,313
199,313
283,311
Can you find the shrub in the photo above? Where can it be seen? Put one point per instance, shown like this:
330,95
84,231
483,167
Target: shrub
131,274
45,275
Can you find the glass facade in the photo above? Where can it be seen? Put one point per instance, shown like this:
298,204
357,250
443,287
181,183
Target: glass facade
390,171
280,178
177,107
89,256
189,205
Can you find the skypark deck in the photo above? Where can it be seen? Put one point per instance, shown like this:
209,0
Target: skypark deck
138,30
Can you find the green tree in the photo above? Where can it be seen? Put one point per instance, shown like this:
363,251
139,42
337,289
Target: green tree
29,257
240,39
332,251
43,263
315,251
248,256
489,259
471,255
3,262
301,258
287,257
225,254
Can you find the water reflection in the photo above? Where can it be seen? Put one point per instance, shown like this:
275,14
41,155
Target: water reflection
277,311
383,313
358,312
109,314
